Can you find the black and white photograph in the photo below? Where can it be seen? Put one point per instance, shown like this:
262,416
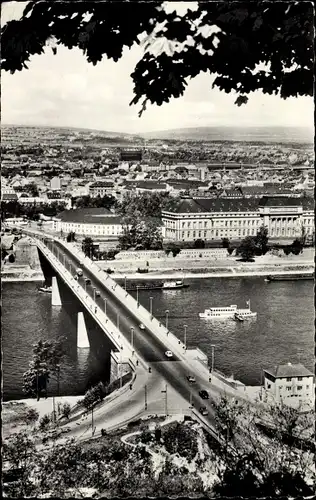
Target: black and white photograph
157,249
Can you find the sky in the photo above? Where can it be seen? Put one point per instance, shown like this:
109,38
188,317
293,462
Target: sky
65,90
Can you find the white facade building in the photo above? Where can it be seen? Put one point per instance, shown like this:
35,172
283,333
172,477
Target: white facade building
289,381
89,222
211,219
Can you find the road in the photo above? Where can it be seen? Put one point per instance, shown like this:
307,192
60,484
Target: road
173,370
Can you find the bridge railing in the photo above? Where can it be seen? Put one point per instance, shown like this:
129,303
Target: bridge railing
140,312
111,330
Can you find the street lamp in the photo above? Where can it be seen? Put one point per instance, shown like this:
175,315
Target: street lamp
137,286
213,356
167,313
151,306
94,288
145,397
125,283
85,285
166,400
121,381
105,305
185,336
132,336
117,320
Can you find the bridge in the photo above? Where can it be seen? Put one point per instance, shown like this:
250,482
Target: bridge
159,382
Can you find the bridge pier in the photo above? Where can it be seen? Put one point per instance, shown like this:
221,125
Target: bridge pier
56,300
118,369
82,336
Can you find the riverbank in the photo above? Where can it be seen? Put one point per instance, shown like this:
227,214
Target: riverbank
214,273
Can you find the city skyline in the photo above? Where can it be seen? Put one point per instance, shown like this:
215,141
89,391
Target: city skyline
65,90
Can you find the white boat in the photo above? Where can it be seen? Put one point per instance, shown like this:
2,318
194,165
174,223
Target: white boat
172,285
46,289
228,312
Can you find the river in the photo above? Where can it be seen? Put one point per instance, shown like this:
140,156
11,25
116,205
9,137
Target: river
283,331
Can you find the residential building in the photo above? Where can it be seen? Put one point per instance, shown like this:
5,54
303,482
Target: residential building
131,155
55,183
100,188
290,381
216,218
89,222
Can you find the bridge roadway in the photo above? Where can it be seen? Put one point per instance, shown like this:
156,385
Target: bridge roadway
147,344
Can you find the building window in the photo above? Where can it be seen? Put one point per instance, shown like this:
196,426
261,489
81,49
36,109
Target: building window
193,234
288,379
299,387
307,387
299,378
269,386
204,234
280,386
288,388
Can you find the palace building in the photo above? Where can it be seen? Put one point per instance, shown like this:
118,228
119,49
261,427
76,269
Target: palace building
211,219
89,222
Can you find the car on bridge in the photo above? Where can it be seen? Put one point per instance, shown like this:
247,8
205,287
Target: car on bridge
191,379
97,292
203,410
203,394
169,354
142,327
88,281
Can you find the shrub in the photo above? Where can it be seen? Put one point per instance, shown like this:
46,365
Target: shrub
44,422
199,243
11,258
109,271
31,416
65,410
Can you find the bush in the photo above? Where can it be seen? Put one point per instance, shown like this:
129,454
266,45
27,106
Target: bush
65,410
11,258
32,416
44,422
109,271
225,242
141,271
199,243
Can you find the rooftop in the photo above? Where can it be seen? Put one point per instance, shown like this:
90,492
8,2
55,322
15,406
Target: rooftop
289,370
89,216
102,184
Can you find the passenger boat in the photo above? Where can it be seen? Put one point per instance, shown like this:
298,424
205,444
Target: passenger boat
173,285
228,312
45,289
290,277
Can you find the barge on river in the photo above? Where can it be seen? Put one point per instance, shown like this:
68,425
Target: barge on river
290,277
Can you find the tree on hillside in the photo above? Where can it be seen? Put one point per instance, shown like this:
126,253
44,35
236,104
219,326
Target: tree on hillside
19,454
46,359
252,463
249,46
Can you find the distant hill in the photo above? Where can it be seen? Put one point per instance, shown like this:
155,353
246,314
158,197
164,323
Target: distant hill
244,134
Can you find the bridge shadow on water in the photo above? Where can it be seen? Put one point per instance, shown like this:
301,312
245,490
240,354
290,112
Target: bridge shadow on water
92,364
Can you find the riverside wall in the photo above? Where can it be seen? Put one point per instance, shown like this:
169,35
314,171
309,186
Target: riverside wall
27,265
204,262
